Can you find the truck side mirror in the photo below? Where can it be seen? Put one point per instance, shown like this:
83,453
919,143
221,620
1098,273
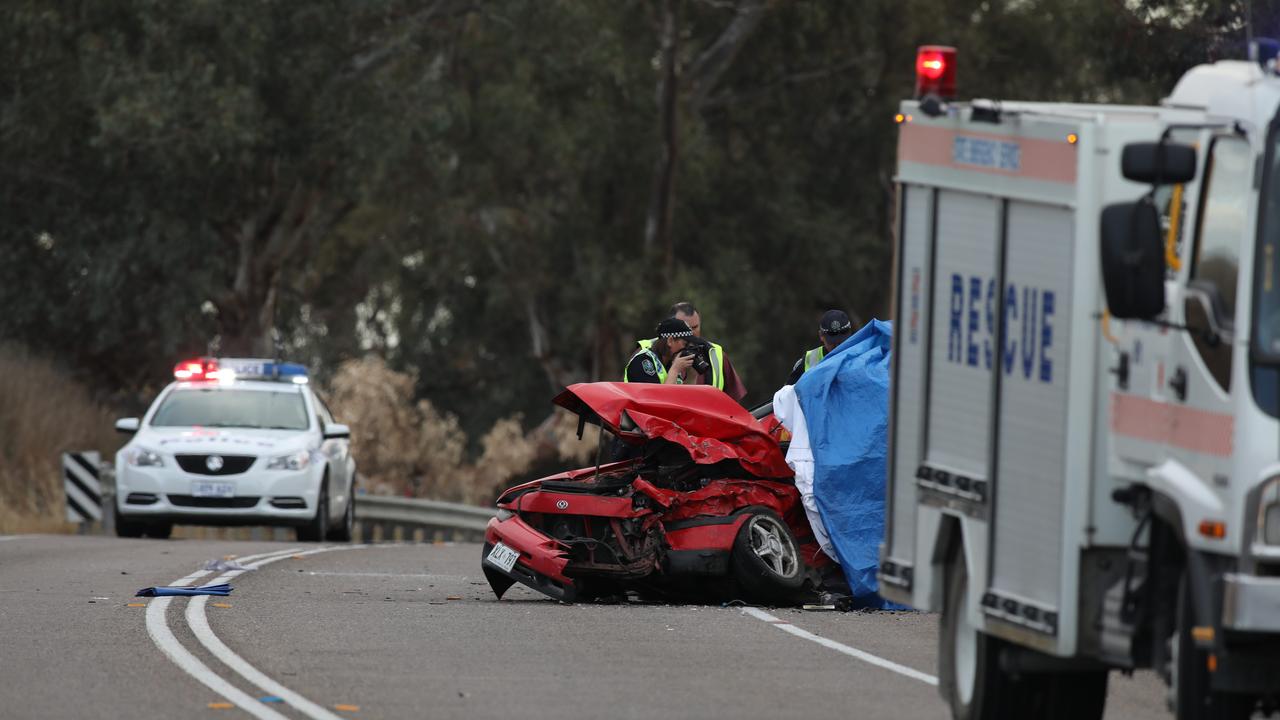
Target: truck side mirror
1162,163
1133,260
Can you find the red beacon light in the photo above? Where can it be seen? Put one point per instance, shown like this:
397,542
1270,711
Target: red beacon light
936,71
199,369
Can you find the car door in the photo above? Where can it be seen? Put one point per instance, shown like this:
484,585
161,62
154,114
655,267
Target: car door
341,465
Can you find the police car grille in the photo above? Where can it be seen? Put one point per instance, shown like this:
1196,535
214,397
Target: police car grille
210,502
231,464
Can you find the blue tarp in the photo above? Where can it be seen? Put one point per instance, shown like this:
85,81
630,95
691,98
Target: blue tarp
845,399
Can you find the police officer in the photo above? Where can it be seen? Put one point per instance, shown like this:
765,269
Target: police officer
722,375
834,328
660,360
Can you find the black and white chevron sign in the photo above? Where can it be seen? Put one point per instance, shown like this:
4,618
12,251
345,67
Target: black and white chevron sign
84,492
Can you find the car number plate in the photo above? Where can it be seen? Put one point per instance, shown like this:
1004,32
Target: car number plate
207,489
503,557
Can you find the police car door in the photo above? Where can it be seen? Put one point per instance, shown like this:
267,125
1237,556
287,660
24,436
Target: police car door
1198,382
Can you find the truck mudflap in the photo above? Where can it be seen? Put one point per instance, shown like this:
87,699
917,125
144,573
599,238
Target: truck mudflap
541,563
1251,603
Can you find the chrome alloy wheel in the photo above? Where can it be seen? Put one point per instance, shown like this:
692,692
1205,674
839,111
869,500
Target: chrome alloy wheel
772,544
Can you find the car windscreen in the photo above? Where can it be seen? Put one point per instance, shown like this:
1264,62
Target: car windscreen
218,407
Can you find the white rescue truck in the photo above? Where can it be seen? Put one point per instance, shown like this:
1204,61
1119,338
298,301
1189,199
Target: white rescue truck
1085,438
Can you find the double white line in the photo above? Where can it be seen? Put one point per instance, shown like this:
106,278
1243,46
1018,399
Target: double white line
163,637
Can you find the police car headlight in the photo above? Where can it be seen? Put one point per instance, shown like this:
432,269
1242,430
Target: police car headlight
292,461
140,457
504,514
1269,513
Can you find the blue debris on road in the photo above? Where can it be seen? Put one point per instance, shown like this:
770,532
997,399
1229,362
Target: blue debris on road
221,589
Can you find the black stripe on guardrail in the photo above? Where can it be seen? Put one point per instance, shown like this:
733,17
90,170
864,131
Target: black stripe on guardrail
88,492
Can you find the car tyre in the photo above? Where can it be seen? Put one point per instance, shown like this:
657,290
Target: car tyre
318,526
160,531
127,528
1192,694
765,559
345,531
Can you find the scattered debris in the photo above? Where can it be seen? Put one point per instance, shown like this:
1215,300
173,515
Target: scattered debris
135,604
271,699
453,597
220,706
221,605
342,707
222,589
817,608
224,565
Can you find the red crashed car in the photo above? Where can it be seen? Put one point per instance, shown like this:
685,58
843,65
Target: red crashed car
704,508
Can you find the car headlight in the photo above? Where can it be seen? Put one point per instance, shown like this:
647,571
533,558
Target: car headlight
141,457
504,514
293,461
1269,513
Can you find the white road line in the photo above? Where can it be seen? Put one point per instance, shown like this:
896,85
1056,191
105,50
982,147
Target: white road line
199,624
169,645
841,647
164,639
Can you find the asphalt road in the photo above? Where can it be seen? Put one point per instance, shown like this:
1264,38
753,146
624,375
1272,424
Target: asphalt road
395,631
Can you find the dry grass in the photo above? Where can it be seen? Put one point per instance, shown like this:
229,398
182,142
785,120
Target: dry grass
413,449
43,413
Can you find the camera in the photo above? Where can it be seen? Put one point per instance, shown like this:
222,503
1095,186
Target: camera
701,351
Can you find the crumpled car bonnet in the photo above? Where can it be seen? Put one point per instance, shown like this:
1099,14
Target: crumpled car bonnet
699,418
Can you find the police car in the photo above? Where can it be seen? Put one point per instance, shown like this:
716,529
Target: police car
236,441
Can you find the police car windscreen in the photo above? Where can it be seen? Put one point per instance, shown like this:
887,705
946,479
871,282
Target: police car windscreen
233,408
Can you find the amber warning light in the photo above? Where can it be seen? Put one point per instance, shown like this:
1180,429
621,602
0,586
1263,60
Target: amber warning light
936,71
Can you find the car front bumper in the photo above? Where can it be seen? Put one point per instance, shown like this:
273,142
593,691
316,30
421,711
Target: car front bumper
266,497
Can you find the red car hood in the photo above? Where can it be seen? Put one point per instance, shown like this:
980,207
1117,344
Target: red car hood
699,418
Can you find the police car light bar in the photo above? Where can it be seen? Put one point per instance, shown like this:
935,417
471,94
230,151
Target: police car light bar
227,369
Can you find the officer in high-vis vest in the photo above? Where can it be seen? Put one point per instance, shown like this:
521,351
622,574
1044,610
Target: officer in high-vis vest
659,360
721,374
834,328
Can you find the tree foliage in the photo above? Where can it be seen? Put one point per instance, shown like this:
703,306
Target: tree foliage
497,198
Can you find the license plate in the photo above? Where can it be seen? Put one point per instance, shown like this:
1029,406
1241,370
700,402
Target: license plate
213,489
503,557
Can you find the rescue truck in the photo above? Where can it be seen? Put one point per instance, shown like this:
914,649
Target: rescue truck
1084,468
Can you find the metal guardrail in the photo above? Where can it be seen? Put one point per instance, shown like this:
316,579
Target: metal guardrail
385,518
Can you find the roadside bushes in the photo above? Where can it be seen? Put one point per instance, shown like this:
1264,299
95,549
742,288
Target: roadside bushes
412,449
43,413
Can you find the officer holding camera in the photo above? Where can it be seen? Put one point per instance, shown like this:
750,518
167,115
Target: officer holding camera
668,359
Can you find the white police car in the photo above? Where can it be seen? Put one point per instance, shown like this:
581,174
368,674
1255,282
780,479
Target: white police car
236,442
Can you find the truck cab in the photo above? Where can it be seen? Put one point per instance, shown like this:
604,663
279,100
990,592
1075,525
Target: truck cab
1085,463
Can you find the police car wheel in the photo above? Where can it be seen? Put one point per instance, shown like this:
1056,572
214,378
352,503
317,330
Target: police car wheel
316,528
127,528
345,531
159,531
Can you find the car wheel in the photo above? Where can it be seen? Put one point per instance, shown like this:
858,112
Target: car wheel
318,526
160,531
766,559
127,528
1191,692
345,531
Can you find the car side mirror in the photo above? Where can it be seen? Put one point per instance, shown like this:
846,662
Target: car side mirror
336,431
128,426
1133,260
1158,163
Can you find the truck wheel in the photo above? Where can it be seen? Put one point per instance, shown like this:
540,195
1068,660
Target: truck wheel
766,559
976,687
1193,698
318,526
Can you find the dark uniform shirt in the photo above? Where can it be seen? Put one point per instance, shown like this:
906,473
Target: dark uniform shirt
642,369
